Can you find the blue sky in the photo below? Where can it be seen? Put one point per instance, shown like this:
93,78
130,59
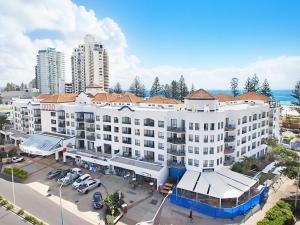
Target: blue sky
209,34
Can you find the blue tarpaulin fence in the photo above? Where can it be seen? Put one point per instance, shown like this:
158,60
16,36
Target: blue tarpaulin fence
225,213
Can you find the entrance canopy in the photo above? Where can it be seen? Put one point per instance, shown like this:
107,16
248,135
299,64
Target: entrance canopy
222,184
44,144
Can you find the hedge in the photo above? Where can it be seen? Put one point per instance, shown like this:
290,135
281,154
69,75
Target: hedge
33,220
280,214
22,174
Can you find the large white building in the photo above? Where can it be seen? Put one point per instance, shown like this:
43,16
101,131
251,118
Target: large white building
50,71
90,66
126,133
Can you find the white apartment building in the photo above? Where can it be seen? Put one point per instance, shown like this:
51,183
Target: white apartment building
90,66
50,71
149,136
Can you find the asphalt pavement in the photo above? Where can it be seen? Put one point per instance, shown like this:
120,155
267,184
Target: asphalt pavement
9,218
37,204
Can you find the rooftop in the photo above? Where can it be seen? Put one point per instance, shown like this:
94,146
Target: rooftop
200,94
60,98
128,98
105,97
160,100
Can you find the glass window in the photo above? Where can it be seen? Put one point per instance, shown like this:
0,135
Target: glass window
211,163
212,126
211,150
197,127
191,126
205,126
190,162
196,162
196,138
205,163
196,150
160,145
161,123
190,149
136,122
160,157
205,150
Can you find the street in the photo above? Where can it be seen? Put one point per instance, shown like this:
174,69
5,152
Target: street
9,218
37,204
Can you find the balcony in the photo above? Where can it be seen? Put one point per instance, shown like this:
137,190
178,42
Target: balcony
79,119
79,127
37,121
176,129
228,150
80,136
90,129
149,145
126,122
149,134
105,128
90,137
61,117
89,120
229,139
36,114
61,124
174,140
229,127
126,141
176,152
171,163
126,132
228,162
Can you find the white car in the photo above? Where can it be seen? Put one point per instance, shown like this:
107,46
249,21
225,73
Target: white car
17,159
76,170
89,185
80,180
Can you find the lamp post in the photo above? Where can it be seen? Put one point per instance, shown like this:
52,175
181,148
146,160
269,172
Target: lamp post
61,208
156,218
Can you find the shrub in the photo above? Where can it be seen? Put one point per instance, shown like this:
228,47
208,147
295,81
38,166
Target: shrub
20,212
22,174
109,220
3,155
112,203
12,152
280,214
3,202
33,220
1,198
9,206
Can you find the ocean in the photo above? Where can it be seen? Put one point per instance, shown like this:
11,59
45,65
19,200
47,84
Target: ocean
284,96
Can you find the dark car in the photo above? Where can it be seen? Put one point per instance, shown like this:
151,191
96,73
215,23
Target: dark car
62,174
53,173
97,200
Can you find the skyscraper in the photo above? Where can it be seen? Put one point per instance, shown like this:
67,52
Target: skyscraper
90,65
50,71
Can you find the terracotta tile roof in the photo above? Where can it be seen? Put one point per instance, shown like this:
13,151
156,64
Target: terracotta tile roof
160,100
60,98
42,96
225,98
105,97
252,96
201,94
128,98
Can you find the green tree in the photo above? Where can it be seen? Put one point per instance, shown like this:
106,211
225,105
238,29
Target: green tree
137,87
247,86
265,89
174,90
182,88
3,121
254,83
296,94
234,86
192,89
156,87
117,88
166,91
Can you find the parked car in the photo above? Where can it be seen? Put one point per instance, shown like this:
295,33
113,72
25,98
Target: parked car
54,173
80,180
76,170
62,174
89,185
97,200
17,159
68,179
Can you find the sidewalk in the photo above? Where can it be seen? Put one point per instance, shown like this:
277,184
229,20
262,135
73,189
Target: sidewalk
283,191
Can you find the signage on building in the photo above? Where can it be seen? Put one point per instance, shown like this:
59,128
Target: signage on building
48,107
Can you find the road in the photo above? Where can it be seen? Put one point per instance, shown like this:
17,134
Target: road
38,204
9,218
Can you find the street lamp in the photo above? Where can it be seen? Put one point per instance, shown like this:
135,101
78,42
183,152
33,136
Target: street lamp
156,218
61,208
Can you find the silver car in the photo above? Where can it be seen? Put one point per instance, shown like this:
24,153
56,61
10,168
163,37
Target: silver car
89,185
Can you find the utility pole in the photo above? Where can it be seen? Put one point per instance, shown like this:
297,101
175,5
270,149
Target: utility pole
61,208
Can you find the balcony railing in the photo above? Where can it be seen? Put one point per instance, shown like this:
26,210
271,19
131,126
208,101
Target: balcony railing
171,163
229,139
61,117
229,127
228,162
61,124
176,140
79,119
90,137
149,146
149,124
90,129
90,120
228,150
149,134
80,136
176,129
176,152
80,128
37,121
126,122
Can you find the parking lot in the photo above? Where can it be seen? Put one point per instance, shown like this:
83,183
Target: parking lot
81,204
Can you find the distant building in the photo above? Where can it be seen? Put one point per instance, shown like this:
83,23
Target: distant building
7,97
50,71
68,88
90,66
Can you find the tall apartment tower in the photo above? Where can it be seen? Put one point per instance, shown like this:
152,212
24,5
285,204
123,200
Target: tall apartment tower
50,71
90,66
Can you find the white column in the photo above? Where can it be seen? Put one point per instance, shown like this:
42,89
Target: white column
56,156
64,158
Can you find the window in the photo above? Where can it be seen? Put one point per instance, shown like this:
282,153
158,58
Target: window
137,142
72,124
68,123
98,136
136,122
160,146
161,123
190,162
196,150
97,127
116,120
197,127
53,121
205,163
116,139
160,135
191,126
67,115
212,138
212,126
72,115
190,149
116,129
196,138
205,139
196,162
137,153
211,163
137,132
191,137
97,118
205,126
160,157
53,113
205,150
211,150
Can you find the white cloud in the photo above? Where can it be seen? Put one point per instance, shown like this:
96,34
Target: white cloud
18,50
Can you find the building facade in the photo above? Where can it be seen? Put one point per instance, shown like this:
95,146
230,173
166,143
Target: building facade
149,136
50,71
68,88
90,65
